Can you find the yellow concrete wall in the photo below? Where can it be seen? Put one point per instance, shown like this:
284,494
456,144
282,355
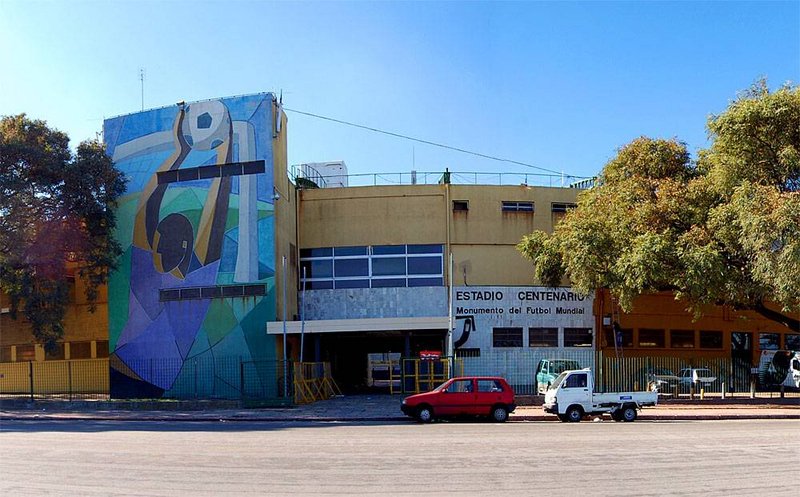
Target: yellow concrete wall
285,222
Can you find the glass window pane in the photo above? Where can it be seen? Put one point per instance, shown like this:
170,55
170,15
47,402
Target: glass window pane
793,342
627,338
425,249
388,283
577,337
344,251
352,283
681,339
769,341
388,249
317,269
507,337
651,338
389,266
710,339
316,252
350,267
425,282
424,265
542,337
319,285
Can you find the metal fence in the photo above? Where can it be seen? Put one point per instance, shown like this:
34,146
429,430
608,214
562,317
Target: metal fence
192,379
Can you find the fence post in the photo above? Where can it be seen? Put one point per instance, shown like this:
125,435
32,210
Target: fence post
69,376
30,375
723,390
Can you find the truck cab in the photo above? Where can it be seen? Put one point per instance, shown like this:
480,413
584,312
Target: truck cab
572,397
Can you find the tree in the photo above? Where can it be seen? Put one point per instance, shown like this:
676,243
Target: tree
55,209
722,230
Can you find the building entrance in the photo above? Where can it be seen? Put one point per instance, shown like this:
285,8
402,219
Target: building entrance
349,353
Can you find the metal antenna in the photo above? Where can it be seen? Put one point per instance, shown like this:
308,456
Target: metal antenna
141,79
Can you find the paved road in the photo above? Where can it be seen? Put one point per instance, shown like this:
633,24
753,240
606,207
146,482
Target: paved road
748,457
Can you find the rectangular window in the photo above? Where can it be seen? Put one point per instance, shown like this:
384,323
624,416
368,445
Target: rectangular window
577,337
769,341
388,250
5,354
424,265
319,285
651,338
80,350
317,268
26,353
710,339
681,339
316,252
562,207
425,249
388,282
344,268
425,282
460,205
517,206
627,338
346,251
792,342
54,354
101,348
389,266
542,337
352,283
507,337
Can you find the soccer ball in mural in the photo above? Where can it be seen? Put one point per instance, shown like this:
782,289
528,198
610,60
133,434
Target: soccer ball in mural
207,125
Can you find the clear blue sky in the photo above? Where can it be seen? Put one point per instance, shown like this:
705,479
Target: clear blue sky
559,85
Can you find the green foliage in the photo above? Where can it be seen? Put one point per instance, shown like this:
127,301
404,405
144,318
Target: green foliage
55,212
724,230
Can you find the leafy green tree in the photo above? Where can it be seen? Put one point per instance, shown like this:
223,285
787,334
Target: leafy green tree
722,230
55,209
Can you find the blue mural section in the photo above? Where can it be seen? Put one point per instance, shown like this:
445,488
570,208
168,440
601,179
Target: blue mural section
189,303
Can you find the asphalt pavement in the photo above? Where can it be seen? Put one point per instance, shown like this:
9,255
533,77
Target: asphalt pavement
378,407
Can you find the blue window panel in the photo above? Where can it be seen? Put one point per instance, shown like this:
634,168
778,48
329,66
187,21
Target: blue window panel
425,265
389,283
343,251
425,282
389,266
317,269
425,249
388,249
352,283
351,267
319,285
316,252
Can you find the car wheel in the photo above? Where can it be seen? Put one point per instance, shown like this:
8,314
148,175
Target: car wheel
425,414
628,414
574,414
500,414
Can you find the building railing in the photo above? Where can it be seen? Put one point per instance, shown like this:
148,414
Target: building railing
439,177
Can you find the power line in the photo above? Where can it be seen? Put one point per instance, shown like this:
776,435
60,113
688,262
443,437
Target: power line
427,142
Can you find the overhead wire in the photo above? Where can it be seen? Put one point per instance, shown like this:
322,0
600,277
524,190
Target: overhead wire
428,142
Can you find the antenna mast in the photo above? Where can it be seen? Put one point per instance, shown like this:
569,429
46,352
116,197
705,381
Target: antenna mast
141,79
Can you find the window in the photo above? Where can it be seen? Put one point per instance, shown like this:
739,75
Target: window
792,342
577,380
5,354
26,353
214,171
681,339
577,337
542,337
80,350
460,386
627,337
460,205
101,347
769,341
710,339
651,338
489,386
379,266
517,206
562,207
54,354
507,337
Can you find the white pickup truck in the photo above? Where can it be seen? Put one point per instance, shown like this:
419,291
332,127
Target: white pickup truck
571,397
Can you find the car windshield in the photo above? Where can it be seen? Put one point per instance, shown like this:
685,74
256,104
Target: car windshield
559,366
442,386
558,381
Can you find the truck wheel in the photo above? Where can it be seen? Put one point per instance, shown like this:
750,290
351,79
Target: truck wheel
628,414
500,414
425,414
616,415
563,418
574,414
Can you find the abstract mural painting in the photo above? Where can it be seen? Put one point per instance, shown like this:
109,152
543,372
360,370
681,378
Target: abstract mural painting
195,286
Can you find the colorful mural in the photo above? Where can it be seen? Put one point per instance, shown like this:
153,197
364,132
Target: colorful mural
195,285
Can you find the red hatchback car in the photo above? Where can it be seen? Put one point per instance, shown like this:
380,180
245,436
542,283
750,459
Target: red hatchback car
490,396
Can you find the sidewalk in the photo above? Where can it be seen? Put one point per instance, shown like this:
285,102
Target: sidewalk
383,408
